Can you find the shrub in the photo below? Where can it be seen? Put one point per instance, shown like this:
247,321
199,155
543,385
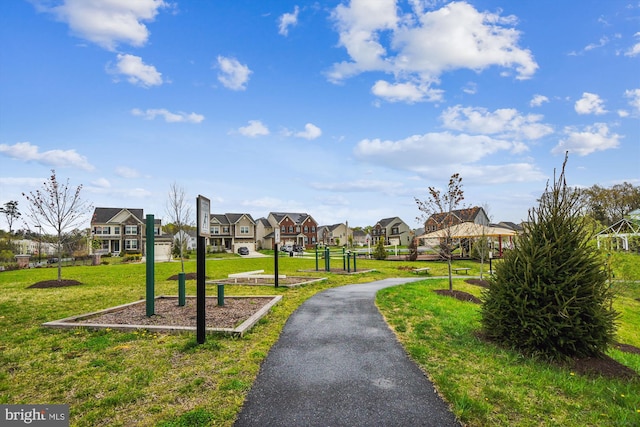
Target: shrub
380,252
550,296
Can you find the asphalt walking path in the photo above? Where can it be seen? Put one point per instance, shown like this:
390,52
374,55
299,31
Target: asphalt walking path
337,363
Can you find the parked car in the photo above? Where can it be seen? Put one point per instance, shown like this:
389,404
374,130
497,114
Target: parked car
243,250
298,248
52,260
286,248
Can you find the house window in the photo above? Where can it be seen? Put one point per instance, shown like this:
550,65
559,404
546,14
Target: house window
290,229
131,230
156,231
102,230
131,244
306,229
283,229
394,230
244,229
225,229
216,230
116,229
313,229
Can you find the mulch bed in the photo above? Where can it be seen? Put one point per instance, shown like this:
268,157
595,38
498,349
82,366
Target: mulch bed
54,284
460,295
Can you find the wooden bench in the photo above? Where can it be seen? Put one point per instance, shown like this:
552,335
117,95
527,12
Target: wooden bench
421,270
459,269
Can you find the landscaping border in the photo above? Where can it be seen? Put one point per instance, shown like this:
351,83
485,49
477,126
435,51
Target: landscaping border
72,322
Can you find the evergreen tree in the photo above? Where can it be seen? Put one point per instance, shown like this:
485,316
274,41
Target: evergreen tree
550,297
380,252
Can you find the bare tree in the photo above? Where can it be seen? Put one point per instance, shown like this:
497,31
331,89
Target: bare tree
57,206
11,213
181,215
444,204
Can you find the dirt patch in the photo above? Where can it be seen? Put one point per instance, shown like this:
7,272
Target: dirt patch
478,282
168,313
188,276
603,366
54,284
627,348
460,295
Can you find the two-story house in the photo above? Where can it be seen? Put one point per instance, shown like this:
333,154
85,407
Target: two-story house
231,231
391,231
332,235
439,221
118,230
295,228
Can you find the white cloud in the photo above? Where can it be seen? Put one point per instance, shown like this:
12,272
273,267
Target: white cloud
423,45
635,49
288,20
590,103
108,23
102,183
593,138
311,131
137,72
254,128
538,100
25,151
169,117
505,122
233,75
127,172
405,92
634,100
419,153
361,185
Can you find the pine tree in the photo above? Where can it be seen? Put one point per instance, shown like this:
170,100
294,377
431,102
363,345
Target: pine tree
550,297
380,252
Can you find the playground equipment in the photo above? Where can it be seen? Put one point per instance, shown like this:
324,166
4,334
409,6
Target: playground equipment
337,254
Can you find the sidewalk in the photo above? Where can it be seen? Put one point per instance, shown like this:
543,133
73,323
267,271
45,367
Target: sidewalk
337,363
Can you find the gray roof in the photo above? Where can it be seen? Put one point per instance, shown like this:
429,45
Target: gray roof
296,217
104,215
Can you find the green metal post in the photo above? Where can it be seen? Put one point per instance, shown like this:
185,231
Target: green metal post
317,257
220,294
348,256
327,255
181,289
150,270
354,262
344,261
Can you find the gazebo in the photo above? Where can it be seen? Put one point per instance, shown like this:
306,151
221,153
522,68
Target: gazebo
470,230
620,232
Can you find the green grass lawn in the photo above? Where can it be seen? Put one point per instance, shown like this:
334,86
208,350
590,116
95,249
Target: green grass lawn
140,378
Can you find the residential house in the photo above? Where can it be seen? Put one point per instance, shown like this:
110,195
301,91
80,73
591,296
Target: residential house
118,230
188,237
124,230
359,237
231,231
393,231
439,221
333,235
264,234
295,228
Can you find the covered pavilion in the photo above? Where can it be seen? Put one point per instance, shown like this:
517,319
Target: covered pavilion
470,230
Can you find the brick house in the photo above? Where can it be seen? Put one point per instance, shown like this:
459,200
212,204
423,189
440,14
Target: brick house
295,228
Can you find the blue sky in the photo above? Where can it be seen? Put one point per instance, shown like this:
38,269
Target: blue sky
346,110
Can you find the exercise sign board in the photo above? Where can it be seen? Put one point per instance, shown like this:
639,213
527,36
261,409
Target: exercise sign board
204,213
